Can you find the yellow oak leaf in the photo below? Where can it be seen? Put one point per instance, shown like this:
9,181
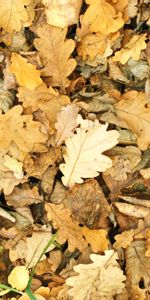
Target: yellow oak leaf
100,16
23,131
55,50
97,238
46,99
124,239
19,277
13,14
62,13
132,49
134,109
26,73
68,228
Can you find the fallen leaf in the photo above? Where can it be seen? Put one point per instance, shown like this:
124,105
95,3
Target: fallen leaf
55,54
62,13
26,73
132,49
100,279
134,109
19,277
87,142
14,165
124,239
66,123
97,238
132,210
68,230
8,182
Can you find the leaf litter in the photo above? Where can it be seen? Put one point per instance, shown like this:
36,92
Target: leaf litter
74,150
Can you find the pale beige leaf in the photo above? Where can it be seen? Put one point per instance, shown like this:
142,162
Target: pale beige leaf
83,158
19,277
55,54
62,13
101,279
66,122
8,181
97,238
14,165
132,49
26,73
68,230
134,110
124,239
132,210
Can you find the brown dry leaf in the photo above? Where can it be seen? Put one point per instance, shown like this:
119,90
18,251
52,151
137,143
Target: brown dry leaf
68,230
132,49
46,99
22,130
97,238
55,54
137,268
134,109
26,73
66,123
124,239
58,194
62,13
14,15
48,179
88,204
110,22
23,196
102,279
132,210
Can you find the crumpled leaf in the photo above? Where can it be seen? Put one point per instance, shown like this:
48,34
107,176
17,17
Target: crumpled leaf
83,158
26,73
19,277
46,99
22,130
132,49
97,238
14,14
134,109
62,13
124,239
68,230
102,279
55,54
101,17
66,122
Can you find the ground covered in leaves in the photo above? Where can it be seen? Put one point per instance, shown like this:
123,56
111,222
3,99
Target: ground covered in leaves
74,150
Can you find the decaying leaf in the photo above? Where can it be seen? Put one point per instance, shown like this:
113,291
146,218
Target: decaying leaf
124,239
83,158
66,122
101,279
55,54
26,73
67,231
62,13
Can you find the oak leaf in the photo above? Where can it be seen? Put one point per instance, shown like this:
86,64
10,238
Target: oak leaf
124,239
22,130
97,238
8,181
100,16
14,165
102,279
68,230
66,122
14,14
132,49
55,54
26,73
19,277
62,13
134,109
83,158
46,99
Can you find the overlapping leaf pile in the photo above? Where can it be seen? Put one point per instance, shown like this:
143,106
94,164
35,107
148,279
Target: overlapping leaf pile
75,149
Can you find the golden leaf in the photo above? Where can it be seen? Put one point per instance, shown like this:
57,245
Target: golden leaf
97,238
132,49
68,230
19,277
55,53
26,73
124,239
